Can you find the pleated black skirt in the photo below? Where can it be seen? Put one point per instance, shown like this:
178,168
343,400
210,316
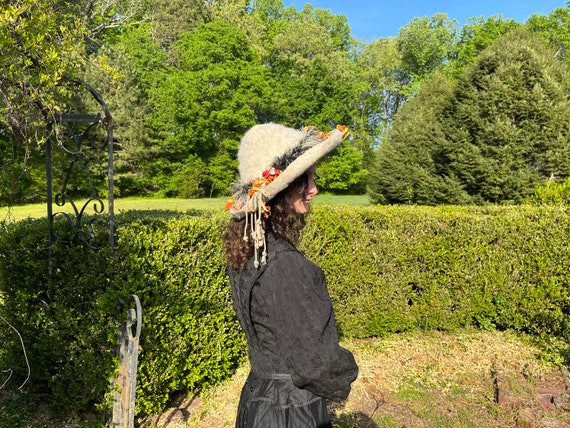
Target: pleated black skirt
275,402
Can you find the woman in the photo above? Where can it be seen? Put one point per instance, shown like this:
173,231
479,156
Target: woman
280,297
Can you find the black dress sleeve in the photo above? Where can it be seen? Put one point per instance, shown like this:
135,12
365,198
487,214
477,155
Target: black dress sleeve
305,327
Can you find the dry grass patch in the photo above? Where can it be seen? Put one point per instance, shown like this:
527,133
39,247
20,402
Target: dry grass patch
467,379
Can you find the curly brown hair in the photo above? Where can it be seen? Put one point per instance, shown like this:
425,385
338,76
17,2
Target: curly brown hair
284,222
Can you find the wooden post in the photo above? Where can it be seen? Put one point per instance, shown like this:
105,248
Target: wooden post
125,383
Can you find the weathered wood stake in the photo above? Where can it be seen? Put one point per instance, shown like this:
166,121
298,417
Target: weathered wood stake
125,383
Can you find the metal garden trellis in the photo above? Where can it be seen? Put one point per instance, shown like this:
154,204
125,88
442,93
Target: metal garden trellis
83,133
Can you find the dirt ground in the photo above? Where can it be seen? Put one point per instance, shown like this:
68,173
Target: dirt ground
471,379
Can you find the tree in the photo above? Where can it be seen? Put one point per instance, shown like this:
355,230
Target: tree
171,18
408,166
204,106
555,28
380,66
127,74
104,19
492,136
39,46
425,44
343,172
475,37
507,127
317,83
40,43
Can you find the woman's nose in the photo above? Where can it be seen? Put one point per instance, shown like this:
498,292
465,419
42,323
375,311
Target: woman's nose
312,187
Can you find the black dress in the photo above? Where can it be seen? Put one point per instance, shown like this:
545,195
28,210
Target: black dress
296,361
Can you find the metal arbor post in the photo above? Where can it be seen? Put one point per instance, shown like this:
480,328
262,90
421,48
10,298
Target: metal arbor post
83,137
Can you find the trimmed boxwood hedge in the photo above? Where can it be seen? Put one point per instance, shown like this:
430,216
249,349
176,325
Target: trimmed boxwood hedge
392,269
389,269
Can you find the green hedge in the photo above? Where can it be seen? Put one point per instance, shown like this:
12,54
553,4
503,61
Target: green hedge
389,269
190,338
393,269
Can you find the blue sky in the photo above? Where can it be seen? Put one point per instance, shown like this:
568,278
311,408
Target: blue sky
372,19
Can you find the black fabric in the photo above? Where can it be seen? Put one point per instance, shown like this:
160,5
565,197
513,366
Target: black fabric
277,403
285,310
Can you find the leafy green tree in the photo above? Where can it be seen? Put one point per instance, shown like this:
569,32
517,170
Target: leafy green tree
336,26
255,18
171,18
127,74
555,28
425,44
343,172
380,66
105,19
40,43
474,37
217,92
317,83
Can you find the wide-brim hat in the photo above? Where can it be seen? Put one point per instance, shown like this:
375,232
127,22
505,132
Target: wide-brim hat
271,157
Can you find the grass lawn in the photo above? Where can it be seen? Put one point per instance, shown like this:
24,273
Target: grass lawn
464,379
20,212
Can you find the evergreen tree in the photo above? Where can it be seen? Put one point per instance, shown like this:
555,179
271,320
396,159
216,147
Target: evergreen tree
493,136
507,127
408,166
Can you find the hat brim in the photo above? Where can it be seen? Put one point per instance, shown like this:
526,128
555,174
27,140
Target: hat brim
300,165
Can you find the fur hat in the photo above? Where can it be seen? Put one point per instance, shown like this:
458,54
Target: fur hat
272,156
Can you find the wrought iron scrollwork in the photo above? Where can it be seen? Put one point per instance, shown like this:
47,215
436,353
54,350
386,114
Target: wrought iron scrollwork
82,141
82,138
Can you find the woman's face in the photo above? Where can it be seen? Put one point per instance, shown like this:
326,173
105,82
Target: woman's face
301,200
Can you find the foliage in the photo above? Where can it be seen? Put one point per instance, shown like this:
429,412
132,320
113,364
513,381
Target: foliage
394,269
40,43
512,106
202,107
380,64
134,66
555,29
185,81
190,338
406,167
172,18
551,192
490,137
424,45
343,172
62,318
474,37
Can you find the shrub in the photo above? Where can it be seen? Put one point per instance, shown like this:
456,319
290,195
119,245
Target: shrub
190,338
392,269
389,269
551,193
